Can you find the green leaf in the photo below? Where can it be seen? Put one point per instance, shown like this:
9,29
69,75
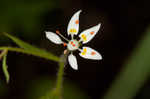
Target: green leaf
5,67
36,51
20,43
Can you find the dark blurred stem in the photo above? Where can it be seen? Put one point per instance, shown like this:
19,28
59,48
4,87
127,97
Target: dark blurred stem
60,76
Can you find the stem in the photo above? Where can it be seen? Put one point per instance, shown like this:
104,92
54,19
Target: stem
3,53
59,81
60,76
4,66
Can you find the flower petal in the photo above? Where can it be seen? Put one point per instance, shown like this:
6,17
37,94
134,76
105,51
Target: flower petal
90,53
88,34
73,61
53,38
73,26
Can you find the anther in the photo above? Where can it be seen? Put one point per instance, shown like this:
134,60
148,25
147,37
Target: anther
61,35
64,44
57,32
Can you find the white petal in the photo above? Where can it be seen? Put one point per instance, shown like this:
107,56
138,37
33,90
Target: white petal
73,61
88,34
90,53
73,26
53,38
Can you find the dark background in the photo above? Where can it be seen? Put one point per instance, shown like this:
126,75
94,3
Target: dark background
123,24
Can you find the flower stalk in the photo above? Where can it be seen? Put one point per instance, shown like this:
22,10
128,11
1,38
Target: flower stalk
59,81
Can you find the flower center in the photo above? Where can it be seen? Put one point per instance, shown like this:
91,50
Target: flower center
73,45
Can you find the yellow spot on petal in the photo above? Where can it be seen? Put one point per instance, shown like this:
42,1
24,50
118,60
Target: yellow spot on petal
84,51
83,36
72,31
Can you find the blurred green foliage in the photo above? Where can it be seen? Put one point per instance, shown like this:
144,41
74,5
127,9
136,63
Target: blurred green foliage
134,74
25,18
3,88
23,15
41,88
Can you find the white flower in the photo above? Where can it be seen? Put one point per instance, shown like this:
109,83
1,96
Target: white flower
73,44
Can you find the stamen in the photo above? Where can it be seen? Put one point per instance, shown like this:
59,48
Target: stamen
65,44
61,35
57,32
